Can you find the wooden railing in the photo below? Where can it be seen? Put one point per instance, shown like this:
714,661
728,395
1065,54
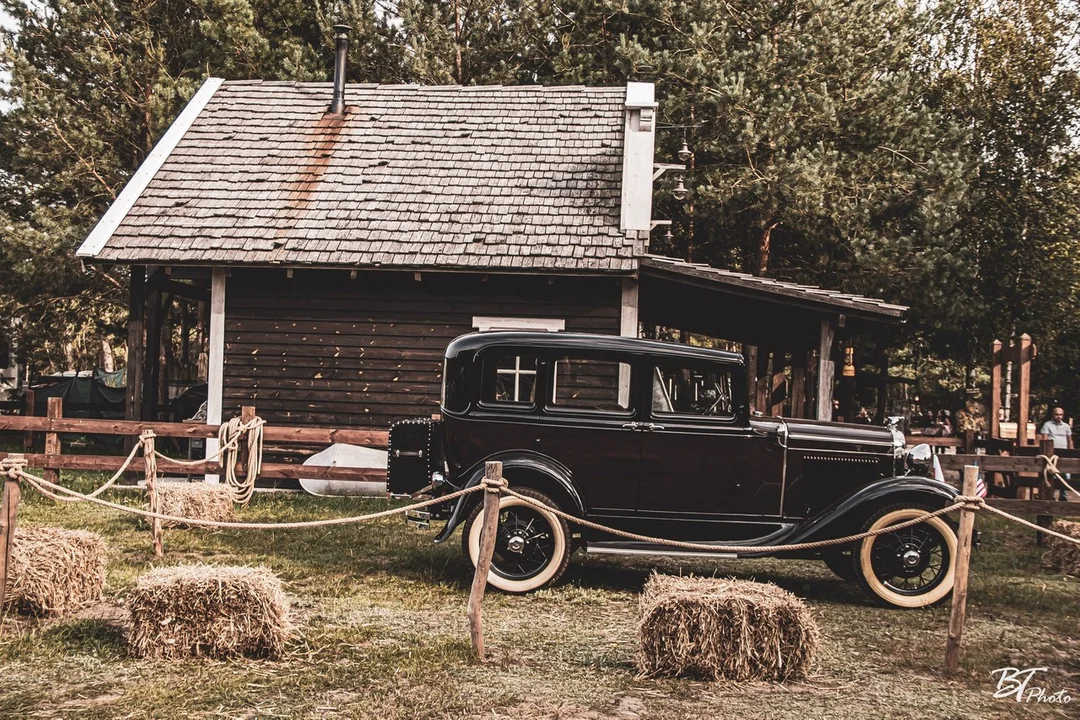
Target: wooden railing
53,460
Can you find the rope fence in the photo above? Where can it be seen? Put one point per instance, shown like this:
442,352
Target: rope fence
494,487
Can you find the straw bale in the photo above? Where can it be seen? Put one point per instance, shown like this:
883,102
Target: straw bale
208,611
198,501
1062,555
54,571
720,629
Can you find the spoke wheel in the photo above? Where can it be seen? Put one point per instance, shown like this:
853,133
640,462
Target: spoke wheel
532,546
912,567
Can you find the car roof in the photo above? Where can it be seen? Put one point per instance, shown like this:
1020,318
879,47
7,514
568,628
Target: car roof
474,342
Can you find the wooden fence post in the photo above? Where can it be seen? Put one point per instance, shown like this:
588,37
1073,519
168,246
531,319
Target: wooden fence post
493,479
960,581
153,499
1024,353
995,390
30,409
1046,491
247,414
9,508
52,439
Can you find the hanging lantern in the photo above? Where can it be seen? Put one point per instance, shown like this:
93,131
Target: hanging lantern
680,192
684,152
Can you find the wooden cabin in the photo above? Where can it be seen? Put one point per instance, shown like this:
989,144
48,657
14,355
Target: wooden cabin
329,257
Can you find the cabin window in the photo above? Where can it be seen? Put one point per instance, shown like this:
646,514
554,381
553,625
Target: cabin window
484,323
588,384
684,389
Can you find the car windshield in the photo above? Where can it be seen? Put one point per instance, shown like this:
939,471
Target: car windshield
687,390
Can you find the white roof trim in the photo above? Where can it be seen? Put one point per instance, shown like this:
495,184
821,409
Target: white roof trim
116,213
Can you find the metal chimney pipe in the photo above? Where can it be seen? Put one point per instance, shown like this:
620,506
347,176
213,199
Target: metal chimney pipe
341,51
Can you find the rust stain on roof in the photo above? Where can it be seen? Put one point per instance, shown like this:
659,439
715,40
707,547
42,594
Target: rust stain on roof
325,137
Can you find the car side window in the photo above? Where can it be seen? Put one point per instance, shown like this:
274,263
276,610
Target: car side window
684,389
583,383
509,379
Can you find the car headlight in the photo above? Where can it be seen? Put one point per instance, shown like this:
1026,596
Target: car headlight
919,458
898,441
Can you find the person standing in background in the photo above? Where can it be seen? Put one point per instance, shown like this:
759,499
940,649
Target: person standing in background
1060,432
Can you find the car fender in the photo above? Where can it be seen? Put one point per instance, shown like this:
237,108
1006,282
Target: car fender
862,502
532,463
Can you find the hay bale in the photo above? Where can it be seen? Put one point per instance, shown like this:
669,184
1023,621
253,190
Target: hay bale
1061,555
198,501
54,571
723,630
208,611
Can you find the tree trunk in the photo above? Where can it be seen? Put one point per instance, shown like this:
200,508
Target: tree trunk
108,360
764,246
457,39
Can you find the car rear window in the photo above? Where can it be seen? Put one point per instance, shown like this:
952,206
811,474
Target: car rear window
683,389
589,384
509,379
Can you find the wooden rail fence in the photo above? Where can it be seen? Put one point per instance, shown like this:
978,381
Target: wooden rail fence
53,460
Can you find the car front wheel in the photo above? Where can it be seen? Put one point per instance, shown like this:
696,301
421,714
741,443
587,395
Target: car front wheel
911,567
532,545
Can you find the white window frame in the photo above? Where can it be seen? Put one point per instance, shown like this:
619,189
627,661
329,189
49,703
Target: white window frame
485,323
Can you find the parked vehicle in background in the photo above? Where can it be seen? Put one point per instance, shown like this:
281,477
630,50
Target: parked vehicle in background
657,439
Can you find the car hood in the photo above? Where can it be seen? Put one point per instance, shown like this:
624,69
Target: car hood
813,434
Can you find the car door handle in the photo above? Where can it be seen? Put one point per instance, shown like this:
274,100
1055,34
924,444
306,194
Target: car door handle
633,426
653,426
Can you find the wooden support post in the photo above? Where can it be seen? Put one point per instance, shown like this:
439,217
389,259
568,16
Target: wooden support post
798,384
826,374
995,389
960,579
216,360
247,414
750,355
761,391
28,436
1047,491
136,347
9,509
55,410
1024,399
969,441
779,378
493,478
153,499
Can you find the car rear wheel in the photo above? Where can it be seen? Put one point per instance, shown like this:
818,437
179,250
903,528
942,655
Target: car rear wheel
912,567
532,545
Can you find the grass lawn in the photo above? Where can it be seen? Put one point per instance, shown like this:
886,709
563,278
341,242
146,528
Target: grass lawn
383,634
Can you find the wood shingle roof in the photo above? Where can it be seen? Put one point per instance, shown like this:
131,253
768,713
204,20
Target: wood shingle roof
411,176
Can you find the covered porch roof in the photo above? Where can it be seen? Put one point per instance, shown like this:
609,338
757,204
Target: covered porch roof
753,310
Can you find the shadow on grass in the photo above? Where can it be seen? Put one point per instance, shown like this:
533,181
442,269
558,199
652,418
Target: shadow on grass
630,576
96,637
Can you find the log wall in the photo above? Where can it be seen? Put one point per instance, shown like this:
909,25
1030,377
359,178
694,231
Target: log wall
322,348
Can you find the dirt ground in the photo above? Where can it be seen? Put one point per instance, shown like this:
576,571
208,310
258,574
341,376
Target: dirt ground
382,633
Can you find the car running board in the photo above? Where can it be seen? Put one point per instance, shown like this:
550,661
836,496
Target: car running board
634,548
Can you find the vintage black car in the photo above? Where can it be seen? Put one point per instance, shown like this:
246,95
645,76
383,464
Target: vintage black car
656,438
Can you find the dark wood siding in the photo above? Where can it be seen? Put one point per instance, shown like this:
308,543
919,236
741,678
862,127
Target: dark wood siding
324,349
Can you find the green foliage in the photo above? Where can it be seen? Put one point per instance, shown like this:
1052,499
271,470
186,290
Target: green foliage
94,84
921,152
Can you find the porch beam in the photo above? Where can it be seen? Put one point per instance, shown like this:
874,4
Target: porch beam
135,343
216,361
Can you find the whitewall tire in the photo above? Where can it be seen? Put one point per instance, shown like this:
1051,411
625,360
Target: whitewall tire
532,547
909,568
